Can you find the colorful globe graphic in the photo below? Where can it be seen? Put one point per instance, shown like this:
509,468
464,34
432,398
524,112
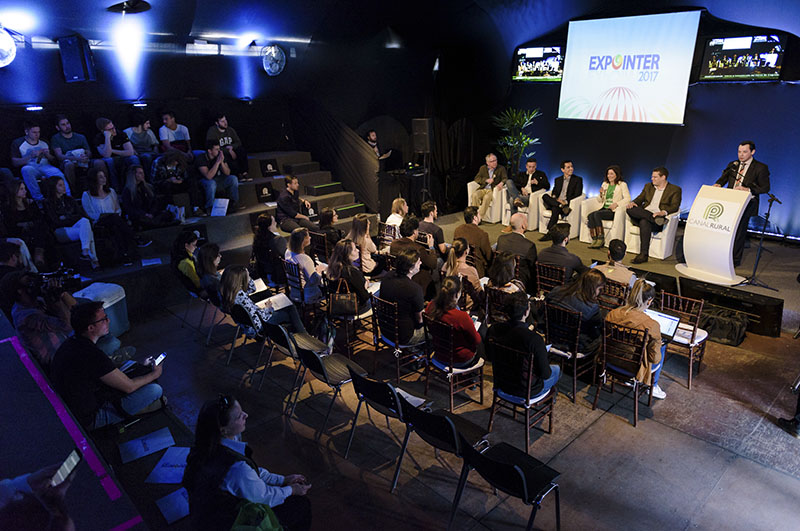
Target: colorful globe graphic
618,104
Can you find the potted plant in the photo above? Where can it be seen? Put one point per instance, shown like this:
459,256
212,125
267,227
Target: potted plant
515,141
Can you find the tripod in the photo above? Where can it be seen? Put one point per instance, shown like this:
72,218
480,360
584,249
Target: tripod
752,280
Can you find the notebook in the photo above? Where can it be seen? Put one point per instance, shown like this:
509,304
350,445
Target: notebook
668,323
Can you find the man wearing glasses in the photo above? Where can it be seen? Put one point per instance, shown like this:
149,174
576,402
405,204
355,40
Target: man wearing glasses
116,151
98,393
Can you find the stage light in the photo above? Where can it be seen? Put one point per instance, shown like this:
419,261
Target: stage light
128,38
18,20
139,104
8,48
245,39
34,108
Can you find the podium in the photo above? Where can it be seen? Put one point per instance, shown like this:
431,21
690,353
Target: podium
710,231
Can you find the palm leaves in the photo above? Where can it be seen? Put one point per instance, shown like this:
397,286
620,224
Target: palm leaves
513,144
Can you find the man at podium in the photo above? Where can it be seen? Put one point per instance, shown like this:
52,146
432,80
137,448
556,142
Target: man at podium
746,174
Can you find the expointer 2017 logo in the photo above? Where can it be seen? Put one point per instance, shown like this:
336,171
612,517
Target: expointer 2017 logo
648,61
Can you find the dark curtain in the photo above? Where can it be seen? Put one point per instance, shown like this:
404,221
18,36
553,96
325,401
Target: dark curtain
337,147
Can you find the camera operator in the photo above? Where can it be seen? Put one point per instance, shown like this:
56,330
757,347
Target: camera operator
40,312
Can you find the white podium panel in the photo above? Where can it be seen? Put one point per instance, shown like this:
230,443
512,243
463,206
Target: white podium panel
710,231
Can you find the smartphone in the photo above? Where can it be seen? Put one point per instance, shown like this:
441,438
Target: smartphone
66,468
159,359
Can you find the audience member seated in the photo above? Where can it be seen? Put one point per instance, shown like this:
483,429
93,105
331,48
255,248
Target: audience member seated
370,262
428,272
73,153
613,194
327,217
175,137
501,274
467,344
290,207
269,248
220,474
24,220
140,203
144,141
96,392
182,259
207,263
580,295
399,211
24,260
649,210
299,241
10,259
523,184
477,238
566,188
102,206
115,149
516,333
231,145
341,268
66,216
171,176
614,269
557,253
429,215
398,287
457,265
34,157
489,176
235,287
30,502
517,244
632,315
40,314
215,173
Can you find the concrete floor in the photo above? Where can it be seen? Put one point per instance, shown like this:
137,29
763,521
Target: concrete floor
709,458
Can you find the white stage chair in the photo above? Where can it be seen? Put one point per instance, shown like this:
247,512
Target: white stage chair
613,229
574,218
532,210
495,212
662,244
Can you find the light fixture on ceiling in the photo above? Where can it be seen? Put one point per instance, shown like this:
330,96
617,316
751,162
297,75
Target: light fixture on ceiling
8,48
130,7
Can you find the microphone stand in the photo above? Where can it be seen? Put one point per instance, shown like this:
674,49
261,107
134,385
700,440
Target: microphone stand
752,280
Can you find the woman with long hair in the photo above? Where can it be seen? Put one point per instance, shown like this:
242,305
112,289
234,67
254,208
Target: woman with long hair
341,268
399,211
140,204
456,264
632,315
24,220
66,216
207,263
467,344
580,295
102,206
370,262
182,259
269,248
613,194
501,273
299,240
220,473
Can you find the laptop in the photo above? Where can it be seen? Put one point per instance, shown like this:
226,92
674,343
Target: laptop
668,323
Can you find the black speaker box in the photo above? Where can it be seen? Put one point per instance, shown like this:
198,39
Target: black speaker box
422,131
76,59
765,313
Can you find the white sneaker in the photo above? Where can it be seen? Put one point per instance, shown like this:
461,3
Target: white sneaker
659,393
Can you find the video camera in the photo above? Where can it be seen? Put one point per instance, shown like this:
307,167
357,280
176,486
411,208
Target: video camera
65,277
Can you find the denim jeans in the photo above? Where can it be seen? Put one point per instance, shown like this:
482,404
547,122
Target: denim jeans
228,182
31,172
513,193
555,374
116,169
131,404
656,369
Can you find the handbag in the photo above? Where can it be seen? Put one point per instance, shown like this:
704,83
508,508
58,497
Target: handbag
343,303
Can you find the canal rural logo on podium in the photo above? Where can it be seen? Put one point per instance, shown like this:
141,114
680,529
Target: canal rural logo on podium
716,216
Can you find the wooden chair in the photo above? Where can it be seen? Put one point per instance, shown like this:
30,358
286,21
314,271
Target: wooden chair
245,324
548,277
622,355
563,333
471,259
441,343
613,295
511,368
297,292
469,294
320,246
358,323
387,234
689,338
386,330
495,305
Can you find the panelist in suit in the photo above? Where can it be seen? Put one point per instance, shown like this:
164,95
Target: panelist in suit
658,200
517,244
747,174
489,175
523,184
566,188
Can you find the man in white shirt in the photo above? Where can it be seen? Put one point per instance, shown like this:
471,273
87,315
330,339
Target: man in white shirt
175,136
34,157
614,269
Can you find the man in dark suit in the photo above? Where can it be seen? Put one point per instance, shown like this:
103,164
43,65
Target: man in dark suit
566,188
477,238
650,209
409,230
489,176
747,174
557,253
517,244
523,184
